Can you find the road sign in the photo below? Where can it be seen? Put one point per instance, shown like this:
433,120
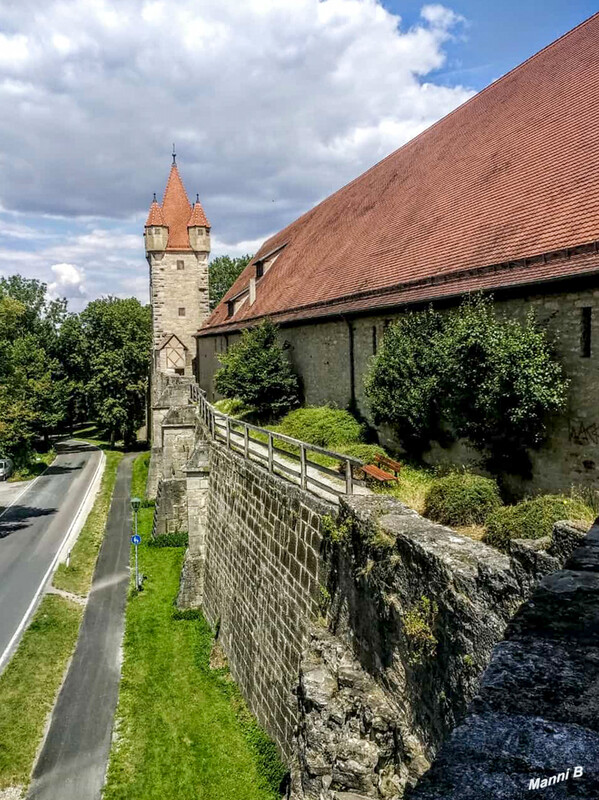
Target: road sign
136,539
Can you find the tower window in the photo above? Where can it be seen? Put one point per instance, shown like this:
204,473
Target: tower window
374,346
180,265
181,312
585,331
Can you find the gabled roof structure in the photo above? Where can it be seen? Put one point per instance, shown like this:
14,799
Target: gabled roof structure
176,212
500,192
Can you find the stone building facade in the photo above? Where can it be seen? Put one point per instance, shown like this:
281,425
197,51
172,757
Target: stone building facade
332,357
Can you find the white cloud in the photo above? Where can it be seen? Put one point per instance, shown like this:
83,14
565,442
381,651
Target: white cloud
273,105
69,281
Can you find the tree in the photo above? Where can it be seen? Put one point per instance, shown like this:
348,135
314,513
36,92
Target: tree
118,336
468,374
223,271
33,390
257,372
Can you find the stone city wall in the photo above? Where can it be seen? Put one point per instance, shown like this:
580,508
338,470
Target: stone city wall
261,582
534,723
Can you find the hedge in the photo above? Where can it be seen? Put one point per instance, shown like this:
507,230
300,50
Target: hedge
461,499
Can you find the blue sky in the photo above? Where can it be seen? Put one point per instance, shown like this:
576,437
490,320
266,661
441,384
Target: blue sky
273,105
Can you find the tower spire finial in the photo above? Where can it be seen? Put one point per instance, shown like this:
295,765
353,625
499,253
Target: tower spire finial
198,197
174,154
154,197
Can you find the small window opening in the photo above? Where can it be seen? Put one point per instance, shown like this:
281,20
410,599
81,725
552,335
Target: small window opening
180,265
230,308
181,312
259,269
374,342
585,332
179,371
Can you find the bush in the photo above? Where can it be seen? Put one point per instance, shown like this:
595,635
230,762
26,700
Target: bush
256,371
323,426
467,373
462,499
532,519
233,407
365,452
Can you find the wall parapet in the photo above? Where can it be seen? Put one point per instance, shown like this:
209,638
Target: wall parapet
535,719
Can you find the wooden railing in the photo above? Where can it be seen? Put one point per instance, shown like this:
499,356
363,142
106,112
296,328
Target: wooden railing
262,446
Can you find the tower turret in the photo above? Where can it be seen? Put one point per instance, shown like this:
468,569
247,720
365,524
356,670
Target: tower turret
156,230
199,228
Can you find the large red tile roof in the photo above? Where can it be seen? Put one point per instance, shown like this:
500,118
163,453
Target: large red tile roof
471,203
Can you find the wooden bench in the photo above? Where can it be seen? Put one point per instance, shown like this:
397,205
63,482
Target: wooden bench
374,471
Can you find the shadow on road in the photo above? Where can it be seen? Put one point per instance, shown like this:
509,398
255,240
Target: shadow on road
19,517
61,469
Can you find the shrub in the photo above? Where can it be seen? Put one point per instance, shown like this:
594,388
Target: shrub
324,426
532,519
233,407
365,452
467,373
461,499
256,371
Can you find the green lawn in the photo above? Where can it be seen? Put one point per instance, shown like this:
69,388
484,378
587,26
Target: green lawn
77,577
182,730
30,682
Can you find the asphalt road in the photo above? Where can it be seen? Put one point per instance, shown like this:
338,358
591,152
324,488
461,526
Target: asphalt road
72,763
33,529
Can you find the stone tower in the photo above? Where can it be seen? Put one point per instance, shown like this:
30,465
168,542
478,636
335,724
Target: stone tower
177,242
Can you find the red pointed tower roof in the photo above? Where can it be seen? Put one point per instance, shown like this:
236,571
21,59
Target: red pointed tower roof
155,216
198,217
176,210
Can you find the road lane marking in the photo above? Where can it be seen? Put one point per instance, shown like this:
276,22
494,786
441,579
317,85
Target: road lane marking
7,650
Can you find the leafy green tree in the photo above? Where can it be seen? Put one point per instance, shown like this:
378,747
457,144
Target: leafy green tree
223,271
470,374
33,390
256,371
118,336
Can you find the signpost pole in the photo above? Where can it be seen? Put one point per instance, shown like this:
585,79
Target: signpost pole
136,539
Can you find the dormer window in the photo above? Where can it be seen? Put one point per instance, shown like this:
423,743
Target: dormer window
266,262
235,303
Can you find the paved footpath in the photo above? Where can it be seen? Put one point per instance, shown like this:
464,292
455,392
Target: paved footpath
73,760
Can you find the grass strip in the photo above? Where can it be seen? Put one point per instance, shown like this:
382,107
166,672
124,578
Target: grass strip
77,577
30,682
182,728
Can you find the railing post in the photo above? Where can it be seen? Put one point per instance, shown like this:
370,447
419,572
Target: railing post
349,484
212,425
246,441
228,425
270,465
303,476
